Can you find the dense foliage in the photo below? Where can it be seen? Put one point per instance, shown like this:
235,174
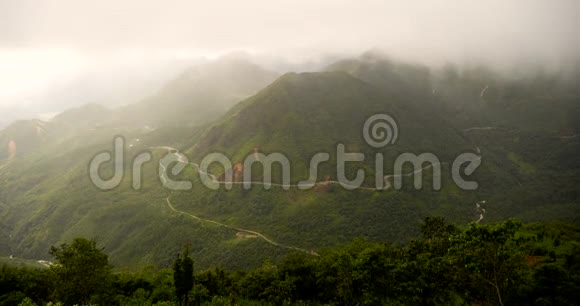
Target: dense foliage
506,263
82,271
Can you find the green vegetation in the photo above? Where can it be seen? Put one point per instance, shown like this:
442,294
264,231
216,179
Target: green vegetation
530,168
505,263
183,277
81,271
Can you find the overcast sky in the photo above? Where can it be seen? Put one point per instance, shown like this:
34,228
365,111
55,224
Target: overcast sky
45,46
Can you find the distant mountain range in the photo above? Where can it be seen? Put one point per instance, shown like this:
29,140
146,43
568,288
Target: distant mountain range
525,130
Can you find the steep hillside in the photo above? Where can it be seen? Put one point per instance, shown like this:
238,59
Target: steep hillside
529,169
300,115
50,200
47,201
303,114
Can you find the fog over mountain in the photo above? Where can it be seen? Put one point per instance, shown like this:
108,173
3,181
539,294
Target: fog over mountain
259,152
58,54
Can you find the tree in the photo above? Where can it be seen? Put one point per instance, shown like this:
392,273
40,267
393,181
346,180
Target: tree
437,228
217,281
423,274
18,283
27,302
300,268
253,285
491,260
81,272
163,286
183,277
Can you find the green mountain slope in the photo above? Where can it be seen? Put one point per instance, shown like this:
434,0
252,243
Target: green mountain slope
529,169
45,192
303,114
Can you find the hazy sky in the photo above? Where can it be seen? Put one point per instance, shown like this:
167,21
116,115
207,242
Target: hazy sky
48,46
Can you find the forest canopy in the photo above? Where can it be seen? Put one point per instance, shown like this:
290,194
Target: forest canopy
506,263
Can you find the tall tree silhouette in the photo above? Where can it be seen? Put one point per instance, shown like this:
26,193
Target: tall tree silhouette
183,276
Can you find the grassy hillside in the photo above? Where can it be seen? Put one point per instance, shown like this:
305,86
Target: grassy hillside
529,167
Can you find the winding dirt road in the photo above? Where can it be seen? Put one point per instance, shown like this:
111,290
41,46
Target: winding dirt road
182,159
268,240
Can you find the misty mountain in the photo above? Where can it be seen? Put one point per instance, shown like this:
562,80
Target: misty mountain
47,197
88,115
302,114
200,95
408,80
477,95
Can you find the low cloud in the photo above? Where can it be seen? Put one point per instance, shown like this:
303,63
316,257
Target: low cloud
48,48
